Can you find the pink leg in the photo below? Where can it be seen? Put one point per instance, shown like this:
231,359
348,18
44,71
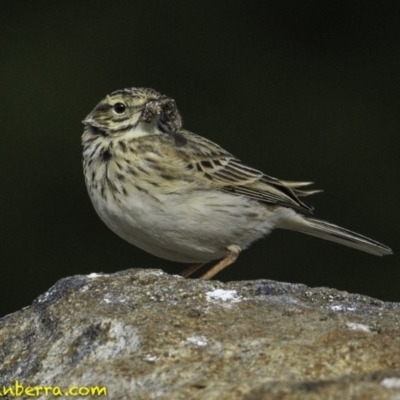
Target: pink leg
191,269
231,256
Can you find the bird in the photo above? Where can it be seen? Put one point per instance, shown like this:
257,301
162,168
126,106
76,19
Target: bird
180,196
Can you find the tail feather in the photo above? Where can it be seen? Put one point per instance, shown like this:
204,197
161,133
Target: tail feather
334,233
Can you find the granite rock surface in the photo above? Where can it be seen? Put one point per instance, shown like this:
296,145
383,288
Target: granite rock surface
144,334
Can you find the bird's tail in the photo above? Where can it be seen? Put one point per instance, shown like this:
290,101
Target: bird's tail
334,233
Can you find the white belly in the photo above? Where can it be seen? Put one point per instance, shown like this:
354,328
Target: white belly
186,228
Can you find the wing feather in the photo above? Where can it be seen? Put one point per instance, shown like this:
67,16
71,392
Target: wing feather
229,174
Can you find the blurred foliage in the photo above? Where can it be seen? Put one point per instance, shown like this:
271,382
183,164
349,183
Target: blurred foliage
302,90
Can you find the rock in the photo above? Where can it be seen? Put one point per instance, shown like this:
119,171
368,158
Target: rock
144,334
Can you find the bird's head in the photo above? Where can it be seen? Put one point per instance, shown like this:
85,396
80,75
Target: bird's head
135,112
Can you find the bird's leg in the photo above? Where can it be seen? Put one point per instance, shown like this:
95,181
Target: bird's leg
191,269
232,254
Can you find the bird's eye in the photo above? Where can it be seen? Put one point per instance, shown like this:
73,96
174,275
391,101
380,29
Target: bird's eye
119,108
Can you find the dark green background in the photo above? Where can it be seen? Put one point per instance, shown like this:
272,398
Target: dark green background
304,90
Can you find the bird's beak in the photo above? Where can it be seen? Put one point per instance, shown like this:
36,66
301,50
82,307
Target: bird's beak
89,121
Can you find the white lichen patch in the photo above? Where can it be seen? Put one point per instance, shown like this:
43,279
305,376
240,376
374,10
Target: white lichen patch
150,358
108,298
197,340
156,272
224,295
94,275
44,297
339,307
353,326
391,383
120,338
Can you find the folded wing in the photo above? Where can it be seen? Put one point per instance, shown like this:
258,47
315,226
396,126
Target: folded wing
229,174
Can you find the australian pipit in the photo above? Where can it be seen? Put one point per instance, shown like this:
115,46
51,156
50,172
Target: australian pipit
182,197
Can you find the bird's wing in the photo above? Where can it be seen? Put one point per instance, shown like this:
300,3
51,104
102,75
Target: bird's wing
212,163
